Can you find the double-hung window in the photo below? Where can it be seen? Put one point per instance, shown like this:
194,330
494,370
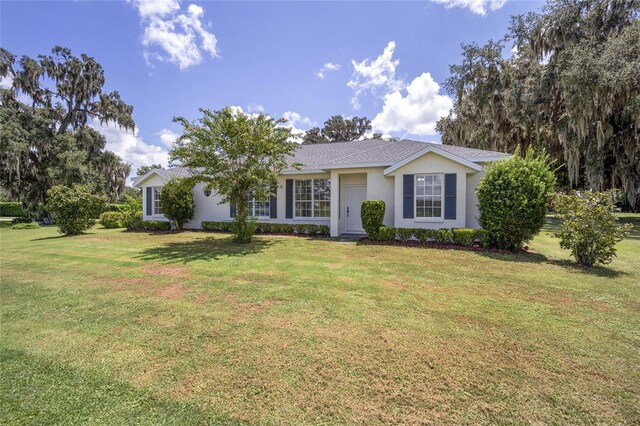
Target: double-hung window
429,196
258,207
157,209
312,198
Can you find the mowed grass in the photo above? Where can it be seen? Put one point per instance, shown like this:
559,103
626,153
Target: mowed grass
132,328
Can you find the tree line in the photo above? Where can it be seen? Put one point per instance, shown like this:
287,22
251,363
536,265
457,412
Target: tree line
45,137
570,86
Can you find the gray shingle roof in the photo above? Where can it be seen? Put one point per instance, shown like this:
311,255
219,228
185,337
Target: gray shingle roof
369,151
374,151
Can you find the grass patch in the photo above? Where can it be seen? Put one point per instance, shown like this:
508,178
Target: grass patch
189,328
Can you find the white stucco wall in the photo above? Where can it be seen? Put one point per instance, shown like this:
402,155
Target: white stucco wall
153,180
432,163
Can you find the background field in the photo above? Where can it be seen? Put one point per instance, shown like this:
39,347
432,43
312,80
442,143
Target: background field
115,327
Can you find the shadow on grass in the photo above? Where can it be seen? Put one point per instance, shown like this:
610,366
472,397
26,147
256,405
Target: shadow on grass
203,249
57,237
598,271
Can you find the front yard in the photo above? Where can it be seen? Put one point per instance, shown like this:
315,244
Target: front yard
123,328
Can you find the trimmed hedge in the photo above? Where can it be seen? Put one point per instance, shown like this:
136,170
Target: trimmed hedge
372,215
155,225
11,208
30,225
459,236
117,207
112,219
21,219
272,228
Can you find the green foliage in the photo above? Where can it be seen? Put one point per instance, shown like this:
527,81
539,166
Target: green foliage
155,225
11,209
21,219
581,104
272,228
463,236
237,155
48,142
143,170
513,198
116,207
405,234
590,229
112,220
338,129
444,236
481,237
176,200
133,221
387,233
372,215
74,208
30,225
424,235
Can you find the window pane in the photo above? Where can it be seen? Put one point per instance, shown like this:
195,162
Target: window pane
321,197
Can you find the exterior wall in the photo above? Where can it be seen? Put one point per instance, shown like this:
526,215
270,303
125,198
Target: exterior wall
211,209
153,180
432,163
379,187
473,213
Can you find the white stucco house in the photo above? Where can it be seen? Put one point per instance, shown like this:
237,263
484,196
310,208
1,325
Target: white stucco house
424,185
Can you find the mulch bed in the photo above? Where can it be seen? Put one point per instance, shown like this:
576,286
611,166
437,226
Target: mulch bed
433,244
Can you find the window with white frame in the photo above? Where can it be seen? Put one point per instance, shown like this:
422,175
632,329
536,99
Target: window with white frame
259,207
312,198
157,209
429,196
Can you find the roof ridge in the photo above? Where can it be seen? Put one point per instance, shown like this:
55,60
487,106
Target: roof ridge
362,152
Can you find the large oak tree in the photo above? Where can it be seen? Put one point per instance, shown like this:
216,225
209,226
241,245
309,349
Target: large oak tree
572,86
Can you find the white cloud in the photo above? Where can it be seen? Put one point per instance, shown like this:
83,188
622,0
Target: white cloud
326,68
6,82
417,112
255,108
167,137
171,36
479,7
377,76
131,148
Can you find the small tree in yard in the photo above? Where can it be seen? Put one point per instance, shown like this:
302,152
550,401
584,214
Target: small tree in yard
590,229
513,198
176,200
236,155
74,208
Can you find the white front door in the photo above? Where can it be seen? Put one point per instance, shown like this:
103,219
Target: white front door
356,194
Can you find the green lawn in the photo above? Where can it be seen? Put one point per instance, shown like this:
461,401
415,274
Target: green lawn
130,328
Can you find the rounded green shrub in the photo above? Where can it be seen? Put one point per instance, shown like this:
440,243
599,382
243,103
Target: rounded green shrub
74,208
513,198
405,234
386,233
590,229
372,215
112,219
176,200
463,236
444,235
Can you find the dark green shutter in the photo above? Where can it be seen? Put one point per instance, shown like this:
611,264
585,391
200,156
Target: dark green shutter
273,202
232,209
289,199
149,201
450,193
407,196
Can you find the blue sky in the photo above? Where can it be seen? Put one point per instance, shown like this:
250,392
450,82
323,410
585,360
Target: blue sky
302,60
